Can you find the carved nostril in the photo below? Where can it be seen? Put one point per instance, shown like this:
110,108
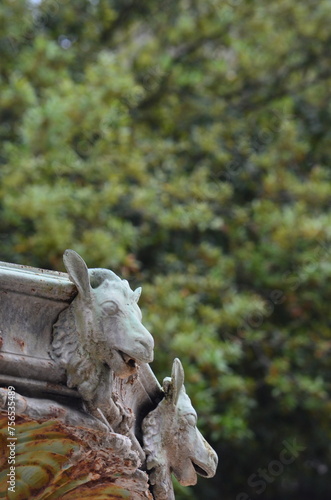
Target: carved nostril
148,347
147,341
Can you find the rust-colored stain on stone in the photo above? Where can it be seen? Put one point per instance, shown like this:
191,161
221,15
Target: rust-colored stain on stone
57,412
20,342
72,463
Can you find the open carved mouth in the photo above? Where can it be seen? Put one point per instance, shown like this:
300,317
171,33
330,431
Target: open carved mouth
131,362
200,471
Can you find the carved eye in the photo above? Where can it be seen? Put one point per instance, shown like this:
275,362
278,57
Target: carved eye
191,419
110,307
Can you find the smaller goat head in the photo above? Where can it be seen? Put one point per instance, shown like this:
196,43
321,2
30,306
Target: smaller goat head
172,440
107,317
191,454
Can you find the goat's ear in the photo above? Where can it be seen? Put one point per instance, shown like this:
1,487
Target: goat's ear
77,271
136,294
177,379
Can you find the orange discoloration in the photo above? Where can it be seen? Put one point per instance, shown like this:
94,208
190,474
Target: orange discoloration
72,462
20,342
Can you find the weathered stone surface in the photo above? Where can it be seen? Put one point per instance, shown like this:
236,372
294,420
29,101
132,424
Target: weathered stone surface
74,348
30,302
57,460
172,441
100,336
46,409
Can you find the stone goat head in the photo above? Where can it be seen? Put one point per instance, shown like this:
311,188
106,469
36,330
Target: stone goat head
101,327
173,442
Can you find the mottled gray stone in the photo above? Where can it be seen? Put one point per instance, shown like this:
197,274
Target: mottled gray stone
75,349
172,441
99,337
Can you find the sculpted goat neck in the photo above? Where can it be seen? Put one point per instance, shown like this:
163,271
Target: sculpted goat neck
100,333
173,443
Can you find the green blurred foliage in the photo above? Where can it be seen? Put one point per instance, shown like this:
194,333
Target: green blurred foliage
186,145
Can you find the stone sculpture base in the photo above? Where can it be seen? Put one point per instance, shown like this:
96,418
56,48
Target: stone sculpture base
82,415
53,459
